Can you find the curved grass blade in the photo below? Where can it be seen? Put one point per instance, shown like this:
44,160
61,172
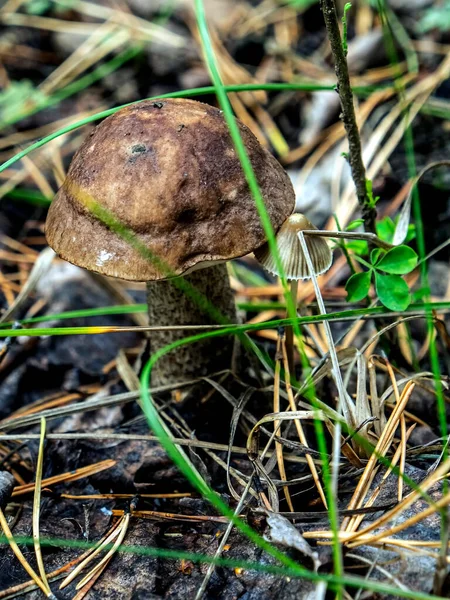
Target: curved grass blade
182,94
37,508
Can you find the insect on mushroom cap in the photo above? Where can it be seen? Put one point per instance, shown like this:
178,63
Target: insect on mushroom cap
290,251
167,171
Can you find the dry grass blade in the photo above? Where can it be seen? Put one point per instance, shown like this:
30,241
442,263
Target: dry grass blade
401,229
253,450
38,177
276,423
125,496
237,411
82,58
41,265
380,451
64,477
363,412
20,557
136,24
126,371
84,590
382,536
252,439
356,521
377,410
404,504
92,403
105,560
108,539
52,401
379,568
300,432
29,586
121,532
402,446
148,438
37,508
165,516
414,100
346,404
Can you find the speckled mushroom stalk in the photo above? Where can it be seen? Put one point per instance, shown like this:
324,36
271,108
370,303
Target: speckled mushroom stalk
169,305
168,172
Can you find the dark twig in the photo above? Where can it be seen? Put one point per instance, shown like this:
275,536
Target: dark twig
348,113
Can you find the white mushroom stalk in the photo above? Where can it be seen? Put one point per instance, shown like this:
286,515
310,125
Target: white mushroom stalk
305,256
346,406
293,261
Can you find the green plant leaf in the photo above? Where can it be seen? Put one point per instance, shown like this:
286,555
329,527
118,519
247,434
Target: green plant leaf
392,291
358,247
420,294
354,225
411,233
372,200
375,255
385,229
344,28
398,261
357,287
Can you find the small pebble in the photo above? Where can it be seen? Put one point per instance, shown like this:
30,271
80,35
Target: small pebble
6,487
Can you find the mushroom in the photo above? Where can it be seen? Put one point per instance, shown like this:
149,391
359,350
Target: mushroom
290,251
167,170
296,265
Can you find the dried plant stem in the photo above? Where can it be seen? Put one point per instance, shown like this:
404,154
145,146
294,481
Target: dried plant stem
37,508
300,432
20,557
348,113
108,539
105,560
345,407
380,450
277,424
352,235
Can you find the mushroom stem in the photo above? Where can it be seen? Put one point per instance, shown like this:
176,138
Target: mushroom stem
170,304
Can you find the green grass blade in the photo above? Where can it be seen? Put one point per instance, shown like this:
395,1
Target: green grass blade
381,589
299,86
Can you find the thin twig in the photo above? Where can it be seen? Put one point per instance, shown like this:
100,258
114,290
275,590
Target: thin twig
348,113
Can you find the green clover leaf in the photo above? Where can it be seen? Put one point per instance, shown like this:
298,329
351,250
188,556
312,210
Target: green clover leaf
357,287
392,291
398,261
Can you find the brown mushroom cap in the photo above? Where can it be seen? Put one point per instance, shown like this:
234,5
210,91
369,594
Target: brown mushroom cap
168,171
